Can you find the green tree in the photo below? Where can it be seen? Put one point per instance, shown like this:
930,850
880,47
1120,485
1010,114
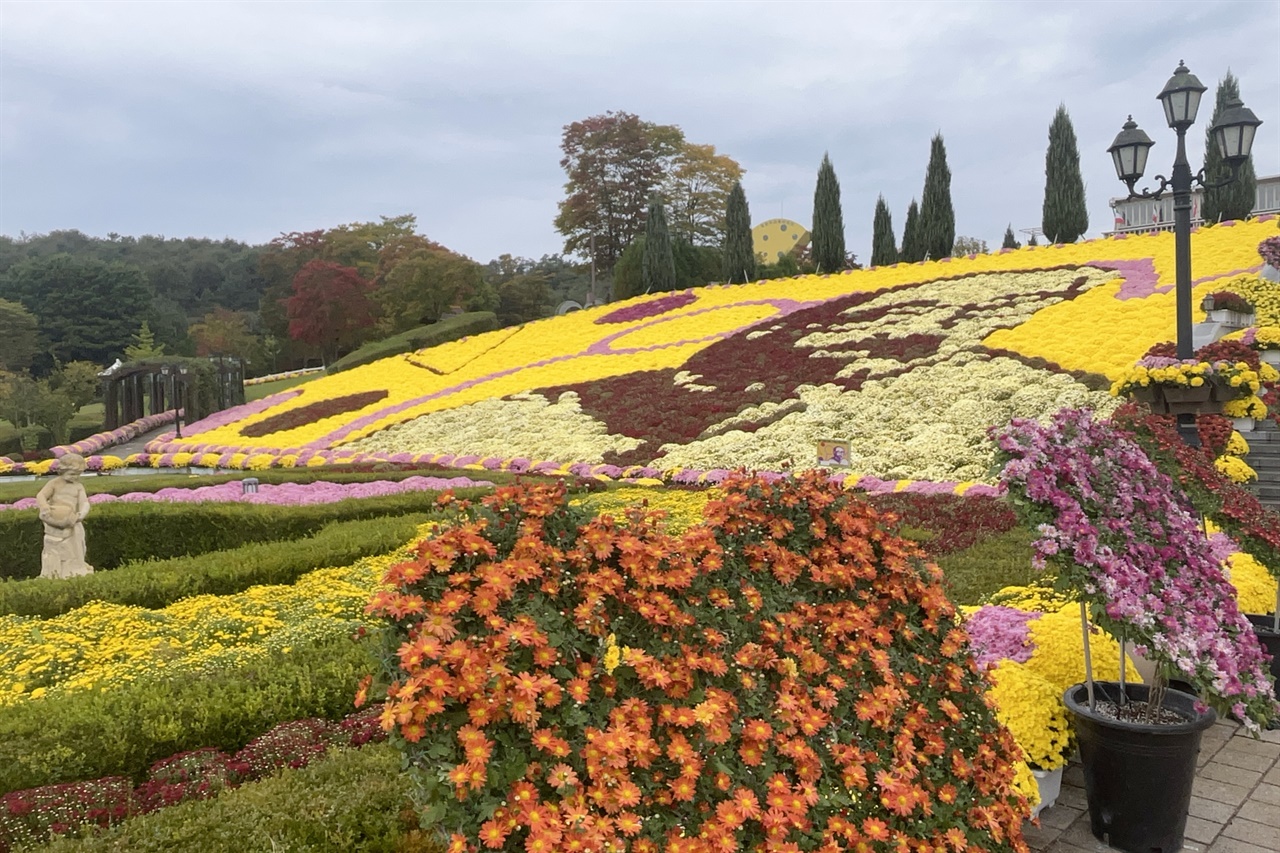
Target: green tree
1065,217
828,221
937,217
19,336
884,252
659,264
1236,199
912,238
225,332
969,246
423,287
523,298
79,381
144,344
1010,241
87,309
739,251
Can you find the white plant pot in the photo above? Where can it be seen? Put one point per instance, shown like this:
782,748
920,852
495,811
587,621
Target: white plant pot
1243,424
1270,356
1050,784
1233,319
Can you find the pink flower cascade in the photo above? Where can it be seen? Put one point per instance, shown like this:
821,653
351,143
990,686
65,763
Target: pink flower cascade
1127,542
284,494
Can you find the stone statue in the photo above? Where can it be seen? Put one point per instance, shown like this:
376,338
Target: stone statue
63,505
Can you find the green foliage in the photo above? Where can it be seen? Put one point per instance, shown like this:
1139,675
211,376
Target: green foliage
126,532
828,221
1236,199
124,729
158,583
523,299
739,252
79,381
19,336
1065,216
1010,241
348,800
144,345
937,217
695,266
658,265
421,288
697,188
87,309
448,329
628,273
969,246
912,239
884,252
1004,559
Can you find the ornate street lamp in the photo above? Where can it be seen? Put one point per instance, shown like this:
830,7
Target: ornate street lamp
1233,133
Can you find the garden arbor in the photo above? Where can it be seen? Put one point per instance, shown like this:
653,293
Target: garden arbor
197,386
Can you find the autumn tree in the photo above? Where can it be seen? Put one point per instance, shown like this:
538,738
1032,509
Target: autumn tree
828,221
696,191
912,242
659,263
884,252
424,286
1236,199
937,217
739,249
330,308
1065,217
224,332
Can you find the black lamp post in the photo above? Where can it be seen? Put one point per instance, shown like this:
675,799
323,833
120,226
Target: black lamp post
1233,133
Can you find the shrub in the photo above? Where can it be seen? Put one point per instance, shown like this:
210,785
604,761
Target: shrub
124,730
787,672
349,800
158,583
448,329
120,533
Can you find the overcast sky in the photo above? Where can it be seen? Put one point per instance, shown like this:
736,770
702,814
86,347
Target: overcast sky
245,120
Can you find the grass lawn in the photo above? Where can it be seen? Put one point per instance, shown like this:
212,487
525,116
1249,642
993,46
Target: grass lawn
266,389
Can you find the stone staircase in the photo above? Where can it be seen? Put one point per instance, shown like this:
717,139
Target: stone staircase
1264,457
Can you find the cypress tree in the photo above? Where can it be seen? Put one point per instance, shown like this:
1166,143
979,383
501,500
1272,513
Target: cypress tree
659,262
912,247
739,250
884,252
1010,242
937,217
1065,217
1236,199
828,221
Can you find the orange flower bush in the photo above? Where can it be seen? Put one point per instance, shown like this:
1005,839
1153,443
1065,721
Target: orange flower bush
784,676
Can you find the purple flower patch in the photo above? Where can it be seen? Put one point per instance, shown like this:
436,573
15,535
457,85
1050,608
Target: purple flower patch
650,308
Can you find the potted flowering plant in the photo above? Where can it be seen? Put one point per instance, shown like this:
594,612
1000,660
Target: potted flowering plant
1187,386
1228,308
1265,340
1127,544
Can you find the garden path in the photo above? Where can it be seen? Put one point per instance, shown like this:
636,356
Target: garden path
137,445
1235,802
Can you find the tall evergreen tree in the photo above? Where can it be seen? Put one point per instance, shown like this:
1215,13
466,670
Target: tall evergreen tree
912,244
659,262
937,217
1236,199
1065,217
1010,241
739,252
884,252
828,221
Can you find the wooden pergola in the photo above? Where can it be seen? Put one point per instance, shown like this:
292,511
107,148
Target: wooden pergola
198,386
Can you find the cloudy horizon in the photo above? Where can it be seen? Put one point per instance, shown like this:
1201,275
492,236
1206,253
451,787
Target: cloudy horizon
247,120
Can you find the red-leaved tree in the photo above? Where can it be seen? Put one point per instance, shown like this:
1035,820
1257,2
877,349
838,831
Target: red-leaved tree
330,308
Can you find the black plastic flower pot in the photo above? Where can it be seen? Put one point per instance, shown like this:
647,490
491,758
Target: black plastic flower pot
1264,627
1138,776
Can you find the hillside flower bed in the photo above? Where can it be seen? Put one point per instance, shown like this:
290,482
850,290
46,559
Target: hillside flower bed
561,682
280,494
753,375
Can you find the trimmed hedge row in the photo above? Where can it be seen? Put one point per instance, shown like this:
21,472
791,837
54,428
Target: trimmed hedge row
349,800
448,329
159,583
120,533
124,730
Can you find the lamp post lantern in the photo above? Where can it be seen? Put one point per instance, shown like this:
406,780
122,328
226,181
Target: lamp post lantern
1233,133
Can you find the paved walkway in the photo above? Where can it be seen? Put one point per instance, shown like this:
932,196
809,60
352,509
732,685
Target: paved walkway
137,445
1235,803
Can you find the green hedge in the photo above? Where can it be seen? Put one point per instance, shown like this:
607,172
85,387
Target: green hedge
158,583
448,329
348,800
124,730
119,533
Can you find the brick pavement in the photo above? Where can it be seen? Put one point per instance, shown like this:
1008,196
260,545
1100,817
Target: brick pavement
1235,802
